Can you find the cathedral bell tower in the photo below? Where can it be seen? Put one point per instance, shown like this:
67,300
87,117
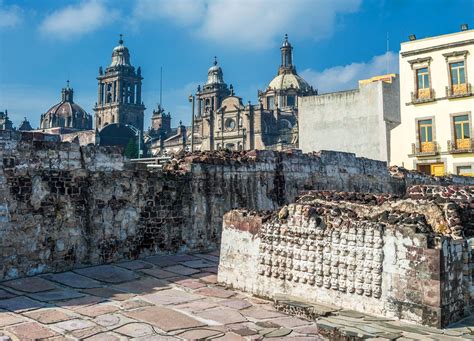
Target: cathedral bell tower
209,101
119,92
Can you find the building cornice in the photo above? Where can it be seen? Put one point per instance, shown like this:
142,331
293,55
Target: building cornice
420,60
437,48
454,54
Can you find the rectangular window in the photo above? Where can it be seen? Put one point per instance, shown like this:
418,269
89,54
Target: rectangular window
270,102
426,130
461,127
423,78
464,171
290,101
462,132
457,73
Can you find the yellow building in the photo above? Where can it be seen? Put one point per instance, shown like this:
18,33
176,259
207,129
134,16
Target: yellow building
436,105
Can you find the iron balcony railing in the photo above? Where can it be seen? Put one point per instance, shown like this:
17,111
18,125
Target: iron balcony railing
423,96
459,90
424,148
461,146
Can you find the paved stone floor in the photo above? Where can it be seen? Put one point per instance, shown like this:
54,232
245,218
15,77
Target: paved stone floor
171,298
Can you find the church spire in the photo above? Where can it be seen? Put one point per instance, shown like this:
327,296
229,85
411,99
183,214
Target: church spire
67,93
286,57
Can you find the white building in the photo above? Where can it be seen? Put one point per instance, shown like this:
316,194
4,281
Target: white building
436,104
356,121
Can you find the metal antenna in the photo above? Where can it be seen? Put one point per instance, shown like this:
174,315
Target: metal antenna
161,85
386,54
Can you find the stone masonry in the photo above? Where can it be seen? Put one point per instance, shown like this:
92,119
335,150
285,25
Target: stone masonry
408,258
176,297
63,206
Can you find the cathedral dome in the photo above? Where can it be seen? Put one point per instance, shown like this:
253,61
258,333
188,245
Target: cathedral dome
287,81
214,74
120,55
66,114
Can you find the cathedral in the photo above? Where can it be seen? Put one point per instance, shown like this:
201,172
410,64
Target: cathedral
220,118
119,110
223,121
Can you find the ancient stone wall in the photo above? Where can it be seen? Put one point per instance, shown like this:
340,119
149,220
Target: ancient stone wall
405,258
62,205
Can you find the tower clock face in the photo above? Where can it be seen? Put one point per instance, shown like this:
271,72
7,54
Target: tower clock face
230,124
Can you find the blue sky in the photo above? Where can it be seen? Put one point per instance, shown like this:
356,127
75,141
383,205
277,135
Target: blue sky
336,42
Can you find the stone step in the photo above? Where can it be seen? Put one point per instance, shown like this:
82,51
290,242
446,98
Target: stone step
296,306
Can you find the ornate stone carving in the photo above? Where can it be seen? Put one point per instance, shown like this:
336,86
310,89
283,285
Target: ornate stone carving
325,247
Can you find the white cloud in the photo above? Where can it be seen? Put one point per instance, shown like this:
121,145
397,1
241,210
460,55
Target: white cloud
10,16
249,24
346,77
77,20
182,12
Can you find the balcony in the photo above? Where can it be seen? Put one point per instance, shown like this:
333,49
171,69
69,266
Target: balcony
459,90
423,96
460,146
424,149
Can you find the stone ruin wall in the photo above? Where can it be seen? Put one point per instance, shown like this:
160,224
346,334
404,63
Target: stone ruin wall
406,258
62,205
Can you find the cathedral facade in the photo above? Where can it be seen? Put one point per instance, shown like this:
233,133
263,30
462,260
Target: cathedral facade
223,121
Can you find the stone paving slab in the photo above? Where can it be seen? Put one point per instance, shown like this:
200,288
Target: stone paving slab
31,331
135,265
136,330
96,310
222,316
169,260
215,292
190,283
56,295
164,318
20,303
48,316
200,334
109,293
5,294
73,280
143,300
74,324
198,264
181,270
108,273
235,304
171,296
30,284
208,257
158,273
142,285
77,303
205,277
7,319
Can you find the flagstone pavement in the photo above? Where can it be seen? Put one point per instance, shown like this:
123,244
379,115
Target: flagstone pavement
172,298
